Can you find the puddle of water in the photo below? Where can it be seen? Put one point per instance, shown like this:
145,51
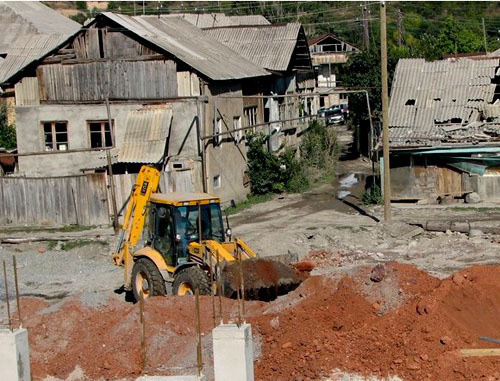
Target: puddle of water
346,183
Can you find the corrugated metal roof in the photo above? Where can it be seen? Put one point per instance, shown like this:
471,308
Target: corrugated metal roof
211,20
145,135
269,46
29,31
190,45
25,50
426,96
40,17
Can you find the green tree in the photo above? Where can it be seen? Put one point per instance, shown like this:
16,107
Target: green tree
454,38
81,5
7,131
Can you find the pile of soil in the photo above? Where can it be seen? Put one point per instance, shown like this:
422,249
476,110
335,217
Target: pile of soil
338,326
406,323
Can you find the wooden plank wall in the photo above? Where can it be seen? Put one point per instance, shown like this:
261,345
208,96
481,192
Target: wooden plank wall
83,200
54,201
123,187
118,79
27,92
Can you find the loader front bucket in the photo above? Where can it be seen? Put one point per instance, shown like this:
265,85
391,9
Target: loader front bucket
263,279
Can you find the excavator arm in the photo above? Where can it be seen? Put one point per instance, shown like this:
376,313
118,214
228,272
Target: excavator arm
133,224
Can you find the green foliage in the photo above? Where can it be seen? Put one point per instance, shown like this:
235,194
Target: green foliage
81,5
79,18
292,171
267,175
7,132
251,200
372,195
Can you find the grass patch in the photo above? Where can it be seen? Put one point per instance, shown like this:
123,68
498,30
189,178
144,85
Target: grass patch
248,203
70,245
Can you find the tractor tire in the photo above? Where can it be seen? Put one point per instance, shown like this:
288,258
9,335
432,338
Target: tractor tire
146,276
187,280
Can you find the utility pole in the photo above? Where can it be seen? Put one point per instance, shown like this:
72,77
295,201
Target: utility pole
366,26
484,36
400,28
143,8
385,113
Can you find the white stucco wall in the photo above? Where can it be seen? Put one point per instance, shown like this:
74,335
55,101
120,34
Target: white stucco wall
30,137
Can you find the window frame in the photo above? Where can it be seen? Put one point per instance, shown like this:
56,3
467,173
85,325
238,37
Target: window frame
103,123
217,132
238,135
54,134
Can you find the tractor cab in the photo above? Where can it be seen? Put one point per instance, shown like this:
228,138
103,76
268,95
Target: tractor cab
174,222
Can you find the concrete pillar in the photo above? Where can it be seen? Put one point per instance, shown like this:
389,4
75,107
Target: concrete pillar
14,355
233,352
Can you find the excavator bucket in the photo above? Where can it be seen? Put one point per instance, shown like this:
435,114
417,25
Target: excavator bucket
263,279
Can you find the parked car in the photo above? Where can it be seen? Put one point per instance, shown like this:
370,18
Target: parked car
322,111
334,116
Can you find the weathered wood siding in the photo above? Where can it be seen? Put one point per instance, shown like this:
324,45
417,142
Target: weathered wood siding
94,81
27,92
114,45
56,200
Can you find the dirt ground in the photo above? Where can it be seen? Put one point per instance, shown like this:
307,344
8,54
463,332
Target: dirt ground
439,292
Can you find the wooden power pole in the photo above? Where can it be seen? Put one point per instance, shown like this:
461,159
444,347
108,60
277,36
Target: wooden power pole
366,26
400,28
385,112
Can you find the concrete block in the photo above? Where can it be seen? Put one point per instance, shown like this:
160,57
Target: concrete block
14,355
233,352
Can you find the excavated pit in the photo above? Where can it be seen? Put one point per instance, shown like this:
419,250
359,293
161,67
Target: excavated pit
263,279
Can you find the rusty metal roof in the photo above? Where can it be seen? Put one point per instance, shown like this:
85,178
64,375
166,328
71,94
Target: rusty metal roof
146,135
211,20
426,97
269,46
190,45
29,31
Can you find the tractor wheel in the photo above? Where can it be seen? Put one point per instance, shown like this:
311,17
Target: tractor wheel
187,280
146,277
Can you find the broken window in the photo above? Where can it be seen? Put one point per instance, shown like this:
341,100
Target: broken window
410,102
55,135
238,135
100,135
218,130
250,114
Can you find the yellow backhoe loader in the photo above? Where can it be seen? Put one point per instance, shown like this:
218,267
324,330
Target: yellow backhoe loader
185,247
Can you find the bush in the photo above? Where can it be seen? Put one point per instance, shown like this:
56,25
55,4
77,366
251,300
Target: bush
7,131
272,173
372,195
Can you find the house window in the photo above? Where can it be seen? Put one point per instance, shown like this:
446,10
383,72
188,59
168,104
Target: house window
250,116
100,134
217,181
55,135
238,135
218,130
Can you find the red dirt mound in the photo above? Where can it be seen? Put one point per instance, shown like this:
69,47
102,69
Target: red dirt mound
336,327
408,324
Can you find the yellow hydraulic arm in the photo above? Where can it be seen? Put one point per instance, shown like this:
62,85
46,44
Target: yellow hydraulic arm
133,223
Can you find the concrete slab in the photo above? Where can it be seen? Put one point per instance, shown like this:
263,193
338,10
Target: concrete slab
233,352
14,355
